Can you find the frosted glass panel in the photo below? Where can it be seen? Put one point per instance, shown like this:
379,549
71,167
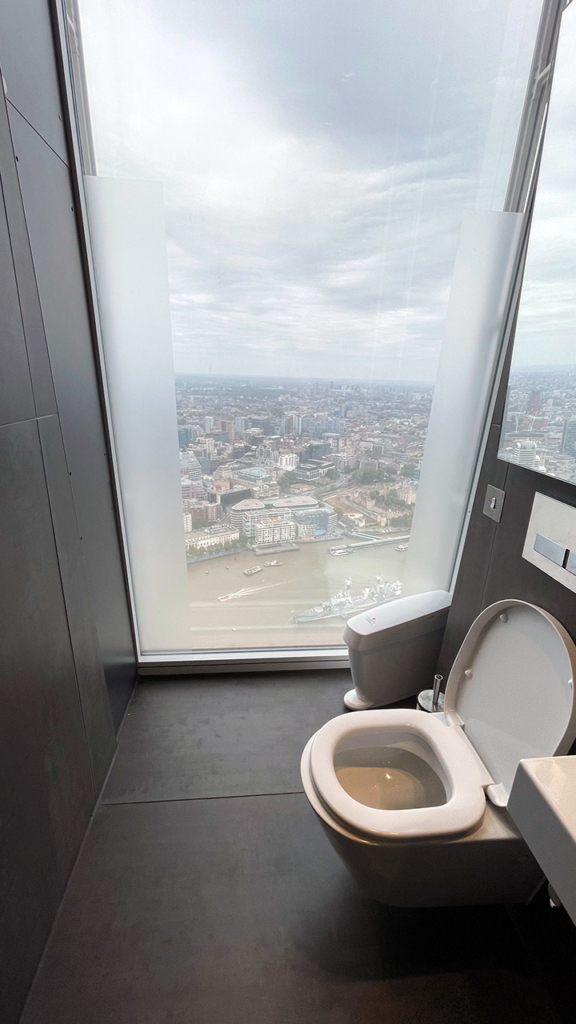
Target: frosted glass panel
129,249
323,166
480,289
539,431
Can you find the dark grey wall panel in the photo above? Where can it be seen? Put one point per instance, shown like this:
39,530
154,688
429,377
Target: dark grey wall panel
46,786
48,202
29,68
492,566
87,657
16,398
510,575
37,350
102,555
58,268
65,623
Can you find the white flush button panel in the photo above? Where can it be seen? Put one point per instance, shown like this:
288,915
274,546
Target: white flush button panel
551,539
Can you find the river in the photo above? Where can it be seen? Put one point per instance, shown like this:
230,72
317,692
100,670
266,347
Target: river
262,611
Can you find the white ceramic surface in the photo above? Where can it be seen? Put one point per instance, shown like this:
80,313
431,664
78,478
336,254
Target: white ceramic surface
432,739
543,805
512,689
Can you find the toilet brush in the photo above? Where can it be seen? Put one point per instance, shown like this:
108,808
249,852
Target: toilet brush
432,700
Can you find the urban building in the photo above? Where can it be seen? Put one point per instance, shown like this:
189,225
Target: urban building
184,436
525,453
320,521
205,512
189,465
568,444
307,472
205,541
246,513
257,475
274,530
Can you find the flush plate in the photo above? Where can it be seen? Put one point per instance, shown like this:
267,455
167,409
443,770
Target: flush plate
553,522
550,549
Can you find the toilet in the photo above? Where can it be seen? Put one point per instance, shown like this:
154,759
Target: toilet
415,803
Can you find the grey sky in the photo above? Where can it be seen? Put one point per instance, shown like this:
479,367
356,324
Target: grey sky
317,157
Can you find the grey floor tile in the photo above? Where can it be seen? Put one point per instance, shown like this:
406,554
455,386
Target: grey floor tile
231,911
221,736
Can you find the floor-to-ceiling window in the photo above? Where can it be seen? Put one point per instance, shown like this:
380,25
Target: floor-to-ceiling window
323,165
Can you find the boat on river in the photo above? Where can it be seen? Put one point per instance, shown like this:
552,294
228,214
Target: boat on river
253,570
343,604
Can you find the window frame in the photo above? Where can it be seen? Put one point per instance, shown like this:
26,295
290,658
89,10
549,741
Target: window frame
519,199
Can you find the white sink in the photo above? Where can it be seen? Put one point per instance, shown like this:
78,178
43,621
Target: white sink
543,805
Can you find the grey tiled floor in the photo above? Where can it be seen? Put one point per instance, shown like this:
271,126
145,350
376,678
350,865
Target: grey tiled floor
221,736
206,891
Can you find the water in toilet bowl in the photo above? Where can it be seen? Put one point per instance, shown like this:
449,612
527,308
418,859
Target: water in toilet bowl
388,778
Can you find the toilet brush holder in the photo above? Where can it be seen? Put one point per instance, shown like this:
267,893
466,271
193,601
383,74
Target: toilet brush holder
432,700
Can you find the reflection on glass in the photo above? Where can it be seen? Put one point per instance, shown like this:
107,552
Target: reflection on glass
317,160
539,431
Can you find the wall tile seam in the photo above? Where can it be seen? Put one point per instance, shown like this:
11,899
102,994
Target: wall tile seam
38,133
21,213
68,627
26,349
29,419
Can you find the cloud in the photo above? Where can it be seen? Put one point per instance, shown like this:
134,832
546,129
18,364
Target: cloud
316,160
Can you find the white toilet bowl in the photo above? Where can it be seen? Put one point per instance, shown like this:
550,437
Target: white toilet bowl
415,804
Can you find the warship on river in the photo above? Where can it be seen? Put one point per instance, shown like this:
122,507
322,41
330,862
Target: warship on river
343,604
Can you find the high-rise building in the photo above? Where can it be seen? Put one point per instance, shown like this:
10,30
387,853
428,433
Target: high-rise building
207,444
291,424
288,461
525,453
534,403
264,452
184,436
568,446
189,465
187,489
317,451
228,427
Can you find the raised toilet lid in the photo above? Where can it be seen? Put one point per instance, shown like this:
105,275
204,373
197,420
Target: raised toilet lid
512,689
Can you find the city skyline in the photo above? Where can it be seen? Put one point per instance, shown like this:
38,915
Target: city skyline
300,490
539,428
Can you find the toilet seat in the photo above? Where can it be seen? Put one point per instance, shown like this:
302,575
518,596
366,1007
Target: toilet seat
464,775
510,695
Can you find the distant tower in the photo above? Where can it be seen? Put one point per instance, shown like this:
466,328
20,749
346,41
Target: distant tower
524,453
534,404
568,446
